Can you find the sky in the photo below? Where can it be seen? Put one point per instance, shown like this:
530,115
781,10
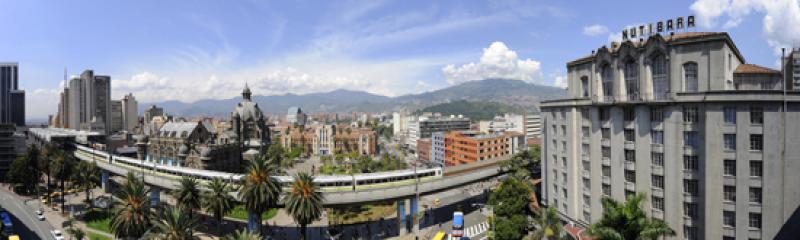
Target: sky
191,50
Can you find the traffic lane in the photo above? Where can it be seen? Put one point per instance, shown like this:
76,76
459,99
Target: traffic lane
21,229
27,215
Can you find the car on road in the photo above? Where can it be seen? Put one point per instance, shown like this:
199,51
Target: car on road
40,215
57,235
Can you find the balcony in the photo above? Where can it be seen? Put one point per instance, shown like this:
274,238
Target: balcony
657,147
630,145
629,125
606,179
658,170
658,214
605,142
630,165
659,125
586,140
630,186
657,192
606,161
586,174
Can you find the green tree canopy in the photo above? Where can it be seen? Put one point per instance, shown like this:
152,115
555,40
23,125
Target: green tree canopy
628,221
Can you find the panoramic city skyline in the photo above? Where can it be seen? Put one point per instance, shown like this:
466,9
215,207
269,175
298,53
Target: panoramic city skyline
208,50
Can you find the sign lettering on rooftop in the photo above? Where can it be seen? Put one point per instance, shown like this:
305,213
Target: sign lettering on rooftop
646,30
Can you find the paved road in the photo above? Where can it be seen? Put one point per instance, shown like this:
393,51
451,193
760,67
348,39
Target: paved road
26,225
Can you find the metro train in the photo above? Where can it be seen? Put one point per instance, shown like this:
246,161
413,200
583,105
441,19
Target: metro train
327,183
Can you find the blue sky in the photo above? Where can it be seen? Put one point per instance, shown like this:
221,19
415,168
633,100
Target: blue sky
190,50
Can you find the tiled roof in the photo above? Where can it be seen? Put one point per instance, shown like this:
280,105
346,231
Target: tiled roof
752,68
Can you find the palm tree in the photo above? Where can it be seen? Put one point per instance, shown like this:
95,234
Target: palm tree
304,202
548,225
76,233
34,158
86,174
217,200
243,234
260,190
187,194
62,167
627,221
173,224
45,162
132,213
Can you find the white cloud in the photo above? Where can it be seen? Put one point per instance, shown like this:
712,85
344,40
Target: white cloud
595,30
560,80
780,21
497,61
41,102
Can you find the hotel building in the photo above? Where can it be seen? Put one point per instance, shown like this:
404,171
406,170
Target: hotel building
713,141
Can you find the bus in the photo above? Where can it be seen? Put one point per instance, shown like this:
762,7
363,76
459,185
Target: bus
458,224
8,228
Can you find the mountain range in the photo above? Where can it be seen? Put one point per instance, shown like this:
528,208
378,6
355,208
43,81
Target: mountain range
511,92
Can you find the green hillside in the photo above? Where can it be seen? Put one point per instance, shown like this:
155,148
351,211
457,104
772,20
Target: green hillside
474,110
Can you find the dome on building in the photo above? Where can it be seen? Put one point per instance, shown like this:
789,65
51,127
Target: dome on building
183,150
205,153
247,110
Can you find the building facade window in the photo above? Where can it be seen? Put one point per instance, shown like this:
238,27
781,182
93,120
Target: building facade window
586,132
632,79
658,159
755,220
690,232
729,167
756,168
756,115
630,176
606,189
729,193
585,86
690,210
585,150
755,195
606,152
608,80
729,141
690,138
729,115
729,218
690,187
630,135
630,155
756,142
660,80
691,163
606,171
691,115
629,114
657,137
605,133
656,115
658,203
658,181
605,114
690,77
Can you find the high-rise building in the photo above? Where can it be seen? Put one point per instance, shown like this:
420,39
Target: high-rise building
88,102
505,123
533,125
791,65
423,126
295,115
12,99
130,112
116,116
665,117
152,112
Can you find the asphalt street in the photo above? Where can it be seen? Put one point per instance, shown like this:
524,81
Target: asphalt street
26,224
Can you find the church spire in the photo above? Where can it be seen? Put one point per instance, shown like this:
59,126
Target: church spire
246,92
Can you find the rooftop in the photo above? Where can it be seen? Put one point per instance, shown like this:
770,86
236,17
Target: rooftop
755,69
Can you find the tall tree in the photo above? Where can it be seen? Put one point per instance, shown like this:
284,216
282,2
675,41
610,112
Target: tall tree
86,175
304,202
548,225
259,191
510,209
187,194
628,221
217,200
48,153
173,224
62,167
132,209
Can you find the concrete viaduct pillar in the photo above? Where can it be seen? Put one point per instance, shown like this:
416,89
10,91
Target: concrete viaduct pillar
104,181
155,196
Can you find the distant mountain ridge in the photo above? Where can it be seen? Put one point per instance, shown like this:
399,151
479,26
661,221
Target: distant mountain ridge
510,92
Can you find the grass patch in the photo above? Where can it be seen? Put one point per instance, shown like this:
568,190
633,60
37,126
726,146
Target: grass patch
361,213
239,212
98,219
95,236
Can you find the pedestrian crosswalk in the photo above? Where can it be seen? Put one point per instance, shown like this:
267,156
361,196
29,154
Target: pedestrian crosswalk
473,231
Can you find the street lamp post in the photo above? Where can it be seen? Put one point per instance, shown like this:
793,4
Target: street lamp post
416,200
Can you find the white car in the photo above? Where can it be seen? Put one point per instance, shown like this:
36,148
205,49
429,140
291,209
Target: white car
57,235
40,215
